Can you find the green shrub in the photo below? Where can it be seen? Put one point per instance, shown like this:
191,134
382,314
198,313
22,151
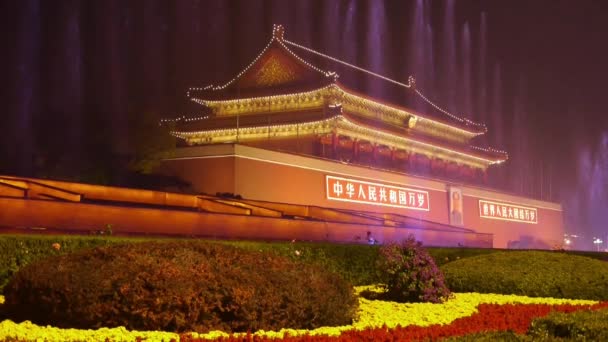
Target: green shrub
178,286
410,274
444,255
530,273
603,256
16,251
354,263
587,325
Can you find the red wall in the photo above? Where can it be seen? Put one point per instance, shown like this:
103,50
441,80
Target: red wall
280,177
545,234
208,176
281,183
81,217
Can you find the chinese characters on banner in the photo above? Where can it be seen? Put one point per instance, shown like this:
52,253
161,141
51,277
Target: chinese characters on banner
508,212
351,190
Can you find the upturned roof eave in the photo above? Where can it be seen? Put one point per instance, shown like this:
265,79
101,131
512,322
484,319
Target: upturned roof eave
275,40
484,155
464,129
473,131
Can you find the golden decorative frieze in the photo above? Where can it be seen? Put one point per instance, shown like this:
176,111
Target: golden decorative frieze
429,128
268,104
402,118
380,138
333,94
257,133
341,126
273,73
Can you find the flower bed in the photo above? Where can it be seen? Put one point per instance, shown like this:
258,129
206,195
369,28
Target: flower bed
489,318
464,313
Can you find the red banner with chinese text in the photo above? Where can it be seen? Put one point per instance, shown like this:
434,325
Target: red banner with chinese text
507,212
352,190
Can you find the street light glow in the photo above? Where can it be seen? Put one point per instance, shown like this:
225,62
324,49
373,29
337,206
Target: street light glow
597,241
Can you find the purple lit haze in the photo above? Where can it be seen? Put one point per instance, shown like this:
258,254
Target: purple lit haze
534,72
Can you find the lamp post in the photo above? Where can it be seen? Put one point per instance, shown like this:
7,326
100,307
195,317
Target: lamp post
597,242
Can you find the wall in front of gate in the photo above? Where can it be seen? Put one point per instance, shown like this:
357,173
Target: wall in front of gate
282,177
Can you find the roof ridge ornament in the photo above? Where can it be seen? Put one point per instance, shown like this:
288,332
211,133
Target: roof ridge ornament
278,32
411,83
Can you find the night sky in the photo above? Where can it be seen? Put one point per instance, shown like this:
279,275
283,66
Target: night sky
77,75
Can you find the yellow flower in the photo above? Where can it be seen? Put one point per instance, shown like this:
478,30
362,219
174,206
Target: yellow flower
371,313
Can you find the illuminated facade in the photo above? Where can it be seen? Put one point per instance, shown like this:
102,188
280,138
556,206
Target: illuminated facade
282,102
285,131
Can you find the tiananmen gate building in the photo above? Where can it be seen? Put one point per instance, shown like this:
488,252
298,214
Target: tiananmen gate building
285,132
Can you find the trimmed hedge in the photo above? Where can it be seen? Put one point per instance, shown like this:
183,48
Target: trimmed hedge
17,251
530,273
178,286
444,255
581,325
584,325
355,263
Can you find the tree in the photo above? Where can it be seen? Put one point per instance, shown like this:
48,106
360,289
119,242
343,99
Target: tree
151,142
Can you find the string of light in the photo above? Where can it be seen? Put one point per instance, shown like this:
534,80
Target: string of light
280,97
409,140
183,118
274,38
339,119
233,131
461,119
489,149
236,77
342,92
409,85
277,37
